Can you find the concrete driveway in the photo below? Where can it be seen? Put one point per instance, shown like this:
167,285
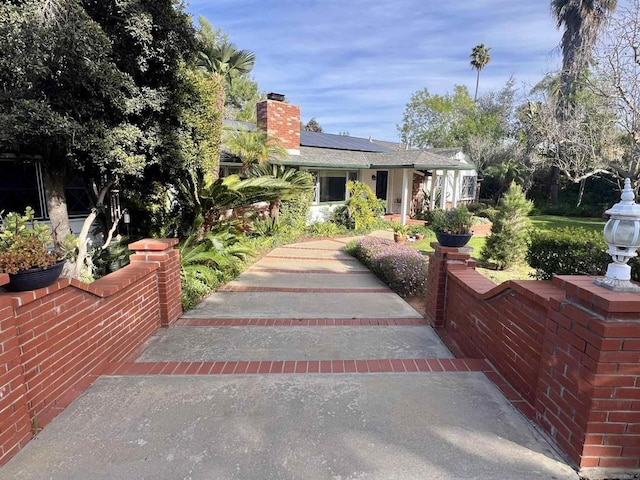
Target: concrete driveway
305,367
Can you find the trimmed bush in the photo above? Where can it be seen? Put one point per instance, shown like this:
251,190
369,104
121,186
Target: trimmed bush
402,268
567,251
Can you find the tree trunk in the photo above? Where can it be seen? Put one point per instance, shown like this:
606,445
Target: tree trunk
554,186
581,192
475,97
274,208
56,204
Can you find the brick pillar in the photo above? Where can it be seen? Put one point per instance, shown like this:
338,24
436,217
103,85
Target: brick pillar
439,261
161,251
15,425
588,393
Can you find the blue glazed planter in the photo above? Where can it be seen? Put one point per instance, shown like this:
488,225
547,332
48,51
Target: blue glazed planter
34,278
453,239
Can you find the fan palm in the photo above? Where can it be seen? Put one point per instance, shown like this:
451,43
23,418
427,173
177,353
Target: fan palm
582,21
296,182
226,60
254,147
480,57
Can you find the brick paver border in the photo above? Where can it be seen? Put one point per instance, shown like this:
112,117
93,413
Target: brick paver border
254,288
255,268
425,365
286,322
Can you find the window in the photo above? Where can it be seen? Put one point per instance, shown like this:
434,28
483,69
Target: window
468,190
331,185
21,186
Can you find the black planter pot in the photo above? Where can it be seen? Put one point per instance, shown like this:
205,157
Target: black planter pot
34,278
453,239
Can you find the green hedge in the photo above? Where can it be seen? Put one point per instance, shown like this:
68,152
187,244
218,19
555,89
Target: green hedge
571,251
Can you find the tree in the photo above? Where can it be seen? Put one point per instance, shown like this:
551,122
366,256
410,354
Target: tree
480,57
217,55
313,126
254,147
582,21
61,96
298,183
457,121
437,120
220,56
507,243
618,69
581,145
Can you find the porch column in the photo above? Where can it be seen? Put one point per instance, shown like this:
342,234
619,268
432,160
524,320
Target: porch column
456,181
405,195
443,189
432,189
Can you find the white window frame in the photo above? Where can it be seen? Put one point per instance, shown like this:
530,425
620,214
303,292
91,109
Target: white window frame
468,191
349,175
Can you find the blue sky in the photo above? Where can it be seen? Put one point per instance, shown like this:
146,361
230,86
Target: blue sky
353,64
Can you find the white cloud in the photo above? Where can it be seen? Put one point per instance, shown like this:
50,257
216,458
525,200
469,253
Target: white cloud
354,65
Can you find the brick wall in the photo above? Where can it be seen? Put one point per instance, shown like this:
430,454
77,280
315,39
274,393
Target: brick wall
15,425
55,341
282,121
570,348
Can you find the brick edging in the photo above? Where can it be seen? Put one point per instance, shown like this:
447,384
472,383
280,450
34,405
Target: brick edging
282,322
425,365
253,288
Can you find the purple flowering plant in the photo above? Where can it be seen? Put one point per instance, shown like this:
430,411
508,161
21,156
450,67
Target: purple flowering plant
399,266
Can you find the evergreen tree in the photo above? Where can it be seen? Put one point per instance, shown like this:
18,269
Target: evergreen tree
507,243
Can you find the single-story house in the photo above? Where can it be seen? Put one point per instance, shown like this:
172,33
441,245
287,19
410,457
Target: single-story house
408,179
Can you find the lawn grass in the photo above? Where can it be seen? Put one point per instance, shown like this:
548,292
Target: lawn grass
521,271
548,222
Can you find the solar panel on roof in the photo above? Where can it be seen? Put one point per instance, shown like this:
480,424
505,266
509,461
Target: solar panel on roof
339,142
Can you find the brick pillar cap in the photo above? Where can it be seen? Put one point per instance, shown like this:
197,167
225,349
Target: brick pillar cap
461,250
153,244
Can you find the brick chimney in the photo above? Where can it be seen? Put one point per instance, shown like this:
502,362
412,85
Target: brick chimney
280,120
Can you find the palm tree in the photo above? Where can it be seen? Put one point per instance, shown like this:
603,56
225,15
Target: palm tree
297,182
480,57
226,60
582,21
254,147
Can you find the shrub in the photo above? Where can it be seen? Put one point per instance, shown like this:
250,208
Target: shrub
294,212
208,262
507,243
401,267
567,251
360,211
323,229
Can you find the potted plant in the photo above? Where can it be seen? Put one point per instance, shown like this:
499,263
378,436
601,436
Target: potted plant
400,232
453,227
418,232
26,252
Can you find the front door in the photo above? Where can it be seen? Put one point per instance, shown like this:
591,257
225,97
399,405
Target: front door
381,184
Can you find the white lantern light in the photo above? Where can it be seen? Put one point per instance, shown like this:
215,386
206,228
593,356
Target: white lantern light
622,234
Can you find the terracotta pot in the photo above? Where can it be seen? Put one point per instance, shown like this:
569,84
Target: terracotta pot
399,238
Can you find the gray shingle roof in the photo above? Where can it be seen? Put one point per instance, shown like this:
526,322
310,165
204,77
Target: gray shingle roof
325,150
334,158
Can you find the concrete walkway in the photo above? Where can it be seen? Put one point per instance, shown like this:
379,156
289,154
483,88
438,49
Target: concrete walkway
306,367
